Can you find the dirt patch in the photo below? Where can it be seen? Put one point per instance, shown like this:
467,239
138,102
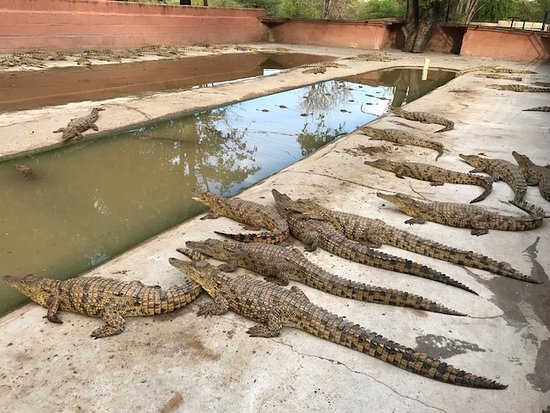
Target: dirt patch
443,347
172,405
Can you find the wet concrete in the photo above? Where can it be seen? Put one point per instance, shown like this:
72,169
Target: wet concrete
212,363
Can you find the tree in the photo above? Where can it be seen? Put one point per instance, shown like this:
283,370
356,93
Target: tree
423,17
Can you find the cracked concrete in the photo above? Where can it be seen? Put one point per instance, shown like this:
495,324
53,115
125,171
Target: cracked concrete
185,363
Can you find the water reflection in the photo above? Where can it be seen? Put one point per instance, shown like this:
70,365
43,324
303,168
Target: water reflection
92,200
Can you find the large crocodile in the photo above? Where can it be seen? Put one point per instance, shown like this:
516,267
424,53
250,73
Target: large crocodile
534,174
500,170
316,233
103,297
481,220
276,307
279,264
517,87
433,174
425,117
76,126
375,233
402,137
246,212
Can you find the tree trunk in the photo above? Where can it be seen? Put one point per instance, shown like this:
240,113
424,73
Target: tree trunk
420,24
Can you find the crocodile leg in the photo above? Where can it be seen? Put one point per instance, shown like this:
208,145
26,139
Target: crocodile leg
419,219
94,127
59,130
53,308
115,322
218,306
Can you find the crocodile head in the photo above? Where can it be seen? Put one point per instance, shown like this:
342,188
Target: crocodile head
522,160
38,289
472,160
283,203
212,201
198,270
95,110
408,205
215,248
382,164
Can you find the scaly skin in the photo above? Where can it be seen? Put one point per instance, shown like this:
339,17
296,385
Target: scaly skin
500,170
425,117
466,216
316,233
103,297
246,212
520,88
534,174
76,126
499,76
401,137
275,307
279,265
375,232
436,176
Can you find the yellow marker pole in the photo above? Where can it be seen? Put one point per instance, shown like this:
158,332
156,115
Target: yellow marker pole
425,69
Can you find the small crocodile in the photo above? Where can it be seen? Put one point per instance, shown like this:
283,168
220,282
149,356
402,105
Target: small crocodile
368,57
25,171
316,233
276,307
279,264
246,212
534,174
103,297
499,76
433,174
466,216
500,170
520,88
316,70
538,109
401,137
375,233
425,117
76,126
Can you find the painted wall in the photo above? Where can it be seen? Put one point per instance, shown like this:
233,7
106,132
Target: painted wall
506,44
81,24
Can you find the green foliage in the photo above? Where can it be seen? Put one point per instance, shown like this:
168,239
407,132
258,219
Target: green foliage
307,9
375,9
270,6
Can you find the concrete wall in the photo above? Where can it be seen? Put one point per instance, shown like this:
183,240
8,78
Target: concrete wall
506,44
80,24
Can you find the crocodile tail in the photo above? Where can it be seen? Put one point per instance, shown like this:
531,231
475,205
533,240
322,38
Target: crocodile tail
535,211
324,324
486,184
263,237
180,295
471,259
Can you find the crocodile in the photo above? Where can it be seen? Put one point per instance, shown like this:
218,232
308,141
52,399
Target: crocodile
425,117
500,170
246,212
316,233
76,126
276,307
479,219
375,233
103,297
499,76
517,87
25,171
435,175
279,264
369,57
538,109
495,69
534,174
401,137
315,70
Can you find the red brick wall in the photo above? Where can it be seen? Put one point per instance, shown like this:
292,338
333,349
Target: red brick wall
71,24
332,33
506,44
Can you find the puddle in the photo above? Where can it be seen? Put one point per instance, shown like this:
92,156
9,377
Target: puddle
87,202
33,89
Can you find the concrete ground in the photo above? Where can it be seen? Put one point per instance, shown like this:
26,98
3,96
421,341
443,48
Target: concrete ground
180,362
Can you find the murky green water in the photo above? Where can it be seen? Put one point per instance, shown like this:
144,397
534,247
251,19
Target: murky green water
90,201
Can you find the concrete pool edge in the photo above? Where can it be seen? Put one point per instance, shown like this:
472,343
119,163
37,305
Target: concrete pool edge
212,364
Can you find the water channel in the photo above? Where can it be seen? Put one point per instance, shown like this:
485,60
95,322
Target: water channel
89,201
